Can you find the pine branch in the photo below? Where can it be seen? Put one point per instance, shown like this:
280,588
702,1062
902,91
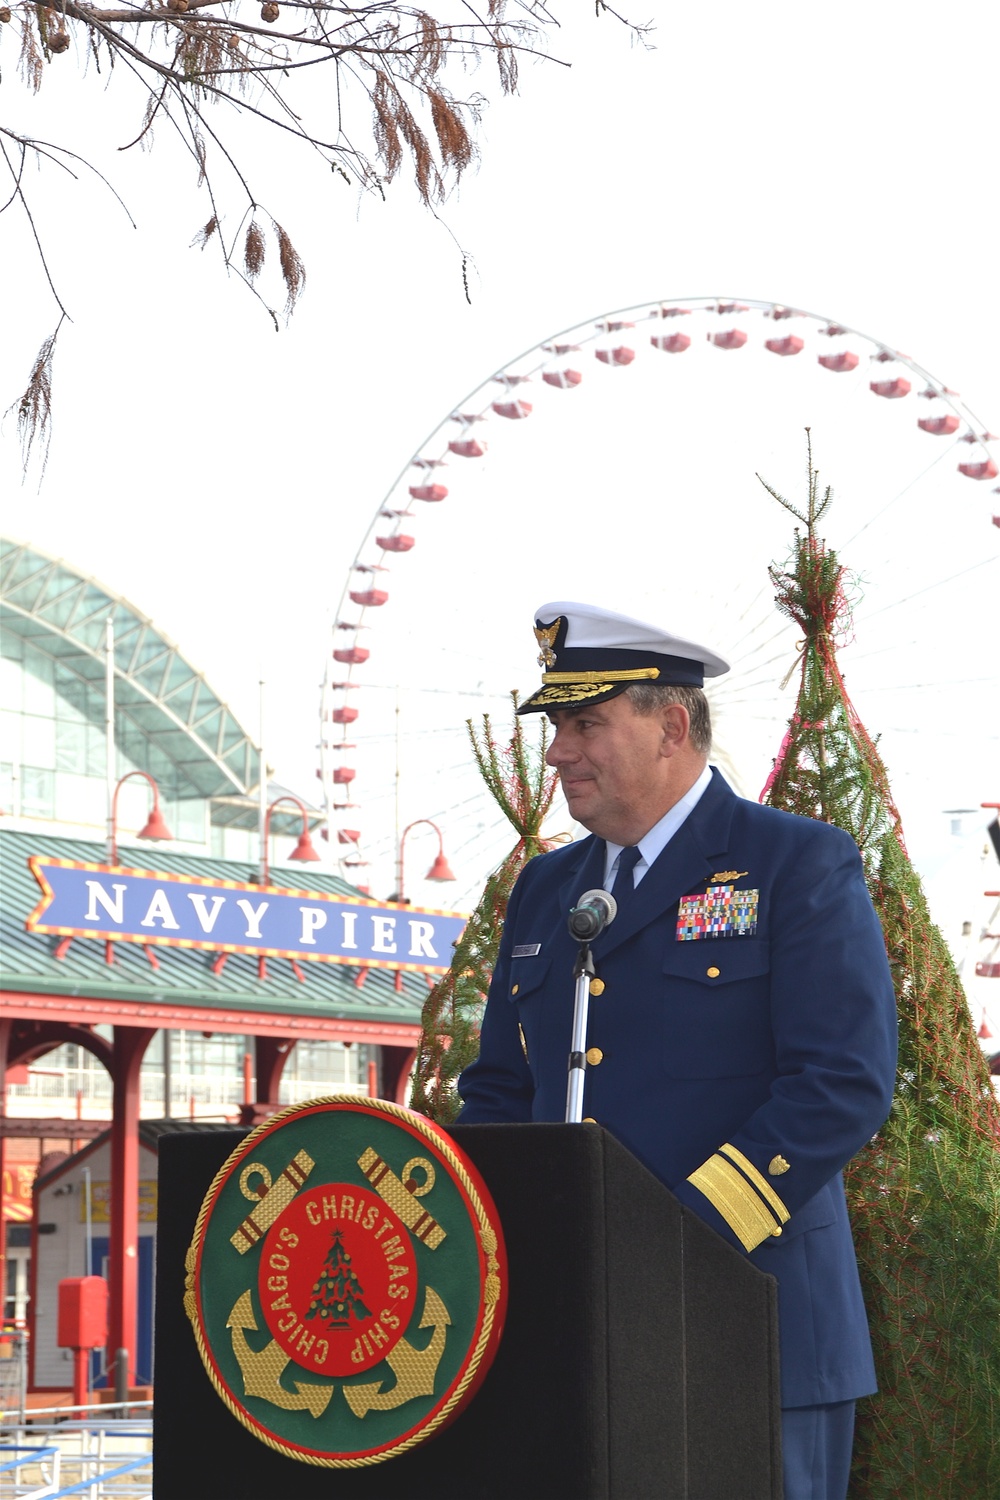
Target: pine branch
523,787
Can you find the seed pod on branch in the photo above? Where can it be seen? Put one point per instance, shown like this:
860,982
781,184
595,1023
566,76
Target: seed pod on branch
177,6
4,13
203,236
254,250
269,12
292,270
58,41
233,42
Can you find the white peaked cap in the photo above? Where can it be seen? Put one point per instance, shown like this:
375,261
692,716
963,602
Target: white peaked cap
590,654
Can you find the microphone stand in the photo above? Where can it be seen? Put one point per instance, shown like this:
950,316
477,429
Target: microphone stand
583,973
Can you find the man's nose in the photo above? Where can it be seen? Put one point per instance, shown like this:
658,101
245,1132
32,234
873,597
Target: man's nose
559,750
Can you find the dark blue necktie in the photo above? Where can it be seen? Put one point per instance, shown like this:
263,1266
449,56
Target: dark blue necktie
624,887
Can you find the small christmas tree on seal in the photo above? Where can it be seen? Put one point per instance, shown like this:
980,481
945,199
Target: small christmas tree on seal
523,787
924,1195
337,1293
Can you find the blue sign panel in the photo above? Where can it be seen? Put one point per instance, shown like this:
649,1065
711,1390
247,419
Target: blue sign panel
145,906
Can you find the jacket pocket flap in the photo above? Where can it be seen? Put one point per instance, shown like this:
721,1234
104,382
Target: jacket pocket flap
527,975
717,961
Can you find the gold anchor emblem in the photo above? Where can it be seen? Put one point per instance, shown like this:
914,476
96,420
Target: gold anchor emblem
262,1369
415,1369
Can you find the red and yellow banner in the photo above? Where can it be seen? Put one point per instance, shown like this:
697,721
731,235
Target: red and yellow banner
17,1182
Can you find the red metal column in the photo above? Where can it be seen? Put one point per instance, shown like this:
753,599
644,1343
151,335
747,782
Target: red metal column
396,1065
272,1054
5,1030
130,1044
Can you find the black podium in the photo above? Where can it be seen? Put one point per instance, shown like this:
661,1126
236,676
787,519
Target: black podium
639,1358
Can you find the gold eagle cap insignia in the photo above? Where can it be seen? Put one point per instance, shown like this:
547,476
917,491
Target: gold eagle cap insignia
724,876
546,638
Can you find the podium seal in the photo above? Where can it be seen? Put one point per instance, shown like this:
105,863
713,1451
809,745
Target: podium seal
347,1281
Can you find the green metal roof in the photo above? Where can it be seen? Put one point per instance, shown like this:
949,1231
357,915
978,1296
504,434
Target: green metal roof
185,976
157,691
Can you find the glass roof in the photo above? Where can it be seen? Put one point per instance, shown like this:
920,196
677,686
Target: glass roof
157,691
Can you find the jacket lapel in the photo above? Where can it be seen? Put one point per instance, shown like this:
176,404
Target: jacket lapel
587,873
688,860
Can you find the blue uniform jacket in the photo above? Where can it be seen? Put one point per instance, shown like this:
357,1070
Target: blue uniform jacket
779,1044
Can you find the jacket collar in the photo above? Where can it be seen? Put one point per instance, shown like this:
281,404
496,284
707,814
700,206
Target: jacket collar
688,860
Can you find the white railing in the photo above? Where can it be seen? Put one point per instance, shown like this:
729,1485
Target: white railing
298,1090
89,1090
100,1454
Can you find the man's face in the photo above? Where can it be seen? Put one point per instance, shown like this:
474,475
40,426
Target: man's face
615,766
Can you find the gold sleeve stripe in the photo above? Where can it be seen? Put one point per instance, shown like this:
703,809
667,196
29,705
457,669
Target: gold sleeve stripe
736,1201
761,1183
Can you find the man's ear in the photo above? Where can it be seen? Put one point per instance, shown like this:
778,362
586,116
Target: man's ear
676,728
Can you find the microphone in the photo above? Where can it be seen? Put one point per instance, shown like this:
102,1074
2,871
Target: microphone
594,911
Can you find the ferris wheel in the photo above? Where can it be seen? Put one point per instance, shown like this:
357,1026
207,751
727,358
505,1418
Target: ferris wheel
634,483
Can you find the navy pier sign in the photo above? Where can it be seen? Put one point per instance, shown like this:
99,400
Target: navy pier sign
178,911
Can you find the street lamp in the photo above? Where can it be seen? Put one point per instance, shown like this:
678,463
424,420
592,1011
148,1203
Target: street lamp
439,870
155,827
303,849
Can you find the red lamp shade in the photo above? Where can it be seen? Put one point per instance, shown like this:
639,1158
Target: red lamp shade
155,827
304,848
440,870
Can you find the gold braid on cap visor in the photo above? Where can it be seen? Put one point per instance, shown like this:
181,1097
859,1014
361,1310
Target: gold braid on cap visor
630,674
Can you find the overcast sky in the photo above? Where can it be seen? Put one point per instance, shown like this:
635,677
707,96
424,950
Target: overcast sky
841,160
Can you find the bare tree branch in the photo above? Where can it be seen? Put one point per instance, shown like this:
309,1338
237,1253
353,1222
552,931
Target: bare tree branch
190,54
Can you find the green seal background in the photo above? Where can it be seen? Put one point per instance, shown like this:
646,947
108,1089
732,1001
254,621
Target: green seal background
335,1138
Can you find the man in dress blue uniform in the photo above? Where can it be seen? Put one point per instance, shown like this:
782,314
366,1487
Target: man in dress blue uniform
742,1039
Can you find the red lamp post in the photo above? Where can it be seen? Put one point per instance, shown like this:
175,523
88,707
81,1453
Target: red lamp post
303,849
155,827
439,870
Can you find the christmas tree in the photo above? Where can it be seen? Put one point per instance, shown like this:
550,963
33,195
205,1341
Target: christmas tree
523,788
336,1293
924,1195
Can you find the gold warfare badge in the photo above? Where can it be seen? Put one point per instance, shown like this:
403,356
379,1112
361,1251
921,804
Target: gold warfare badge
347,1281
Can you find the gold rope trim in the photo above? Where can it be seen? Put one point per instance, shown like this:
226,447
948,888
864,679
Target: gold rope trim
491,1289
760,1183
630,674
736,1201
